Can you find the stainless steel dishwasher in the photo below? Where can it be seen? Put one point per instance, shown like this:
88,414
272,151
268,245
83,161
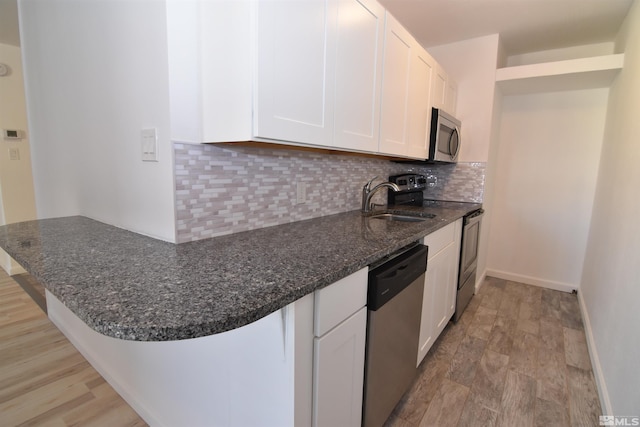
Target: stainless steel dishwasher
394,305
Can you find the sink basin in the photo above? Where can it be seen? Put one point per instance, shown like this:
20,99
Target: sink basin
401,218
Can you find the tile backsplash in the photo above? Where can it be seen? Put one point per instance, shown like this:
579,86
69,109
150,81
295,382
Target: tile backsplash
224,189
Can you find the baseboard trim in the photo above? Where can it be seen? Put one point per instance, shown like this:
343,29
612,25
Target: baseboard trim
549,284
601,385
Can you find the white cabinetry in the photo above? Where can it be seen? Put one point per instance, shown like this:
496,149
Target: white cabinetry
304,72
398,46
339,345
406,90
294,93
422,70
444,91
326,73
451,96
358,75
301,365
319,71
439,298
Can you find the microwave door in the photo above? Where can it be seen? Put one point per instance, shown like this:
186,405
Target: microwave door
444,141
454,144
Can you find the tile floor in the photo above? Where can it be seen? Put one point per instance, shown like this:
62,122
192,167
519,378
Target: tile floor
518,357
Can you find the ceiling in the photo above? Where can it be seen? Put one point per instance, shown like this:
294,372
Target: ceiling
524,25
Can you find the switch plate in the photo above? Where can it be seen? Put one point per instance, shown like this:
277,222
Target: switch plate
301,192
14,153
149,144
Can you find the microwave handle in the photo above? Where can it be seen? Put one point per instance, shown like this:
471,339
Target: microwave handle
455,132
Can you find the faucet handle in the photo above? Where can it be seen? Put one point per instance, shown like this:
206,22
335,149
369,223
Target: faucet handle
367,186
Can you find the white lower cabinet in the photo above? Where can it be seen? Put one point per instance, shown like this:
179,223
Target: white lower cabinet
339,373
439,298
338,351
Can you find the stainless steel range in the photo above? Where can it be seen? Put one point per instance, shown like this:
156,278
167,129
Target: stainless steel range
411,194
468,261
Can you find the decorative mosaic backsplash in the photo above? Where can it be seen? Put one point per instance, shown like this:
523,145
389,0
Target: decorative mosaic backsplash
224,189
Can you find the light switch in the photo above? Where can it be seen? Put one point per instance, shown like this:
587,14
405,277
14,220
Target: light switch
14,153
149,141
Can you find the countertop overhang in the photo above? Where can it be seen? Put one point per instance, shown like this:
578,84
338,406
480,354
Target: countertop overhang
129,286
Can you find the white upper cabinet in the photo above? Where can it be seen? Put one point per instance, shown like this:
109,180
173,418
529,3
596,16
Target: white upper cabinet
419,120
444,91
319,72
439,88
406,94
358,74
326,73
295,48
398,47
451,96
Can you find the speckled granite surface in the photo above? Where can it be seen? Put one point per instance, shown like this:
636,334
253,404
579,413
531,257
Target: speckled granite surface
133,287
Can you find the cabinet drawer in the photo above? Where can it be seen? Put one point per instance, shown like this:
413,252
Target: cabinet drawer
339,300
438,240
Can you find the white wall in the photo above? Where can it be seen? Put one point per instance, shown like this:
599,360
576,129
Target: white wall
96,74
547,167
17,201
472,63
610,289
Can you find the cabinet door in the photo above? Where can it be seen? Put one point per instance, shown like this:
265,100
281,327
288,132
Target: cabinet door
426,328
339,373
439,88
445,281
441,284
419,119
398,46
451,96
358,74
295,45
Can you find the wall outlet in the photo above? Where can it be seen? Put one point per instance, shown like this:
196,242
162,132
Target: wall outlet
301,192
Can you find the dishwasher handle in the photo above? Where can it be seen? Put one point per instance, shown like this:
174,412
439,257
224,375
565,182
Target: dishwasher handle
391,278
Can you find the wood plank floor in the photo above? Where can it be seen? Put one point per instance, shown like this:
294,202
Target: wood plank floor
44,380
518,357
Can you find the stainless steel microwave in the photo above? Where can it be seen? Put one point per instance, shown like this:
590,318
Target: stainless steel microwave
444,141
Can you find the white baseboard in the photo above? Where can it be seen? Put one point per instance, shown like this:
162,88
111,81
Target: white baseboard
535,281
601,385
480,280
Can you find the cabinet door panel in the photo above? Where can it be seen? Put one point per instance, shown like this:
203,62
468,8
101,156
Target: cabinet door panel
420,104
426,327
358,74
294,92
439,89
395,88
339,373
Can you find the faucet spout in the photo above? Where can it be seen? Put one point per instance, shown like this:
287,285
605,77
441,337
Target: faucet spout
368,193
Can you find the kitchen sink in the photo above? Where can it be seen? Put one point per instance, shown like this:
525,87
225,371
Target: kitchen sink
401,218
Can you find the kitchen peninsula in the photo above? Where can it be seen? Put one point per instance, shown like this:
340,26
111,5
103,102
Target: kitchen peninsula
179,335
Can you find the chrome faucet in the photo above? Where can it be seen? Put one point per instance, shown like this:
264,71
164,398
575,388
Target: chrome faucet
368,192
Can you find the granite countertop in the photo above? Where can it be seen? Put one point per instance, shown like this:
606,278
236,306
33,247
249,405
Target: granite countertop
129,286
